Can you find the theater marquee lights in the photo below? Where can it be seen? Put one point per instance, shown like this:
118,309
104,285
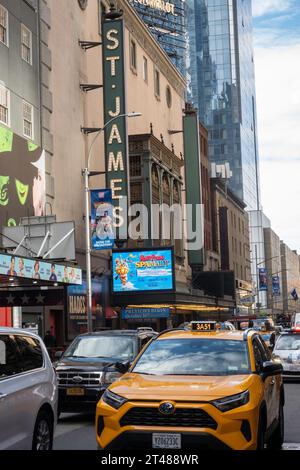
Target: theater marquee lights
116,158
160,5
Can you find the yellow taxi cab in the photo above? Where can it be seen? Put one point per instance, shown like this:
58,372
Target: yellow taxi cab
199,388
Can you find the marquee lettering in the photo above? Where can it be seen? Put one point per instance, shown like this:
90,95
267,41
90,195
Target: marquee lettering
115,163
115,41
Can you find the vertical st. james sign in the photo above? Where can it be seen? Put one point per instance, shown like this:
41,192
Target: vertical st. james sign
116,157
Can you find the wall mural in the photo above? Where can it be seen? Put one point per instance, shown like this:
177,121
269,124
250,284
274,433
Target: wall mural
22,178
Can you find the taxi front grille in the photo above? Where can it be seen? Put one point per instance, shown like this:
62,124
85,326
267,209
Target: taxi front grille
182,417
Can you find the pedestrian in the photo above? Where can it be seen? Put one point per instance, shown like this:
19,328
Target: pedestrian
49,339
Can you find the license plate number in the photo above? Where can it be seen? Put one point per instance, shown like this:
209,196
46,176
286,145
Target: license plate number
166,441
75,391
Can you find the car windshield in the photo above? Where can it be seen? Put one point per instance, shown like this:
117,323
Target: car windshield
102,347
288,342
195,356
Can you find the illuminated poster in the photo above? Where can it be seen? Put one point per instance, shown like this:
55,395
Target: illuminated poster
22,178
102,219
141,271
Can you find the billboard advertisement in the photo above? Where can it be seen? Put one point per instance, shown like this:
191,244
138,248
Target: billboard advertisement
16,266
263,279
22,178
102,219
143,270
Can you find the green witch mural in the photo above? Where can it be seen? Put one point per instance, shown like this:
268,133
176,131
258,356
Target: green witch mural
22,178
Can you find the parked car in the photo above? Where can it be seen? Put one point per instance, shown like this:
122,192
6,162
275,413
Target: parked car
28,392
87,367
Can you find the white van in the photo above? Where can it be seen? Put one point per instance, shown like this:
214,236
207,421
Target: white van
28,392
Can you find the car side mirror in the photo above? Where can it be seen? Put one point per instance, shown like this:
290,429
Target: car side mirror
271,368
58,355
122,367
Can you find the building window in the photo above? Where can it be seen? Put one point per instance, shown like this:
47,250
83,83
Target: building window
26,44
27,120
4,105
133,61
3,25
157,83
145,69
169,97
135,165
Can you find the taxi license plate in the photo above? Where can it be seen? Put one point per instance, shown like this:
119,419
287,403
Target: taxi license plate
75,391
166,441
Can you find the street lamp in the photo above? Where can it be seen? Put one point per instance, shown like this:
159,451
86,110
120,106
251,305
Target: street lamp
86,173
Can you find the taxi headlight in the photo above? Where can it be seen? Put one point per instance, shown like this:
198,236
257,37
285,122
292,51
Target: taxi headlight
112,399
110,377
234,401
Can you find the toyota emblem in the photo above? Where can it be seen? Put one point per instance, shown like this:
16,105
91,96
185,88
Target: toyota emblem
166,408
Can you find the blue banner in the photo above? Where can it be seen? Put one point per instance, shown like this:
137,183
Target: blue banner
145,313
275,286
142,271
102,219
263,279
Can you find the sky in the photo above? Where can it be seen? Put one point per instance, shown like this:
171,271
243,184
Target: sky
277,68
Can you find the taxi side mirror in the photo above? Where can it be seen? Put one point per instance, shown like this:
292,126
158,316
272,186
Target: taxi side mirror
122,367
271,368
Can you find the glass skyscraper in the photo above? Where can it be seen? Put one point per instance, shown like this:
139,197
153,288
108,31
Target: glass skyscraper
221,84
166,20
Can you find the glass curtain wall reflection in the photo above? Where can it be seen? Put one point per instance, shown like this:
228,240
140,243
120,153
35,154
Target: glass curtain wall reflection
221,83
166,21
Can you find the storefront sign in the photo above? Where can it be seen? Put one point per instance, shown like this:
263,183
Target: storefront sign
102,219
143,270
145,313
159,5
263,279
15,266
76,305
116,158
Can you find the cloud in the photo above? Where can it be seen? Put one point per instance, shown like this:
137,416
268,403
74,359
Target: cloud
281,193
278,101
265,7
277,64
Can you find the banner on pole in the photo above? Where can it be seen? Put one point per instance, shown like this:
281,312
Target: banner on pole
263,279
102,219
275,286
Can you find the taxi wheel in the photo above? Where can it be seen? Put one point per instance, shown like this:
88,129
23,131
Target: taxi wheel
260,445
277,438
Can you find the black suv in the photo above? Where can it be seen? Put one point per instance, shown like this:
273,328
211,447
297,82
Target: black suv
87,367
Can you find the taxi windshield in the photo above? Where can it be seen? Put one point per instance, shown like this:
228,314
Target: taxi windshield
194,356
